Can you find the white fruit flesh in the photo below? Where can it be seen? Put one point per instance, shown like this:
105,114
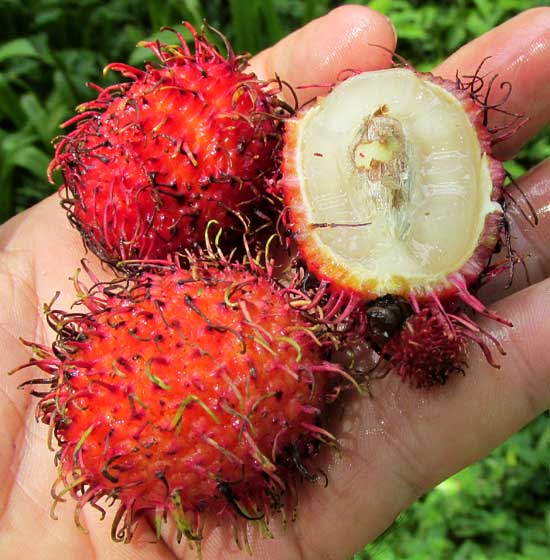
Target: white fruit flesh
394,185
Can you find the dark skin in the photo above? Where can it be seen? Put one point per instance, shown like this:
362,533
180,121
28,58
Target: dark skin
397,444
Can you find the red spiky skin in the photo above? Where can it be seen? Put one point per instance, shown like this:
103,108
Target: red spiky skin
424,343
427,350
153,160
184,394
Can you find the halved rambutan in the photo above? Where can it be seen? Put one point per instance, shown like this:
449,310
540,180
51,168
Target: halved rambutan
395,203
184,394
153,160
390,185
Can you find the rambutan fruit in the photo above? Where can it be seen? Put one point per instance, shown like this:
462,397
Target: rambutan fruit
395,202
390,185
184,394
423,344
153,160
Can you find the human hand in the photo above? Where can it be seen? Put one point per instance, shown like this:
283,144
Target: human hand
395,445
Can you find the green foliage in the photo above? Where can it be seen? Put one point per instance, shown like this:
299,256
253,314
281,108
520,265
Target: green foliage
429,31
49,49
498,508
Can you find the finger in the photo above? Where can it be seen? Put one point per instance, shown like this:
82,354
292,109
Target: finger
530,242
20,301
20,268
318,52
520,54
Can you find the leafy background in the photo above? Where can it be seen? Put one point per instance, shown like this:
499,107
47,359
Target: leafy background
496,509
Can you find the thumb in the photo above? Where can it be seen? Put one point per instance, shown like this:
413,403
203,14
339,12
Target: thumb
348,37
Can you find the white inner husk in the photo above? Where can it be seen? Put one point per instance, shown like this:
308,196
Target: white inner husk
423,212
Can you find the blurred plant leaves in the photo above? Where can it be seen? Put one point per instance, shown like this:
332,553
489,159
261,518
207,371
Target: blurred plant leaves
18,47
497,509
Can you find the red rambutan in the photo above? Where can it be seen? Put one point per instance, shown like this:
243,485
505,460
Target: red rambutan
153,160
184,393
395,202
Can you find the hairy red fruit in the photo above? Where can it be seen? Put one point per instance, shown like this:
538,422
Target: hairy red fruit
184,393
392,195
153,160
390,185
426,350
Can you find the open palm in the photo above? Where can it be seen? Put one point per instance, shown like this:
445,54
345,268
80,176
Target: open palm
397,444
